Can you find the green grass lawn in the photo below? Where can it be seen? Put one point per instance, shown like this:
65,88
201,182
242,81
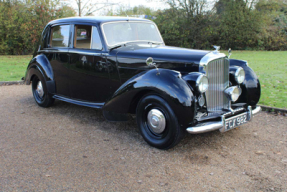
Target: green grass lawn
270,67
13,68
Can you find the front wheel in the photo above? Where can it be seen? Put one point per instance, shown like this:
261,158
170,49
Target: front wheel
40,92
157,122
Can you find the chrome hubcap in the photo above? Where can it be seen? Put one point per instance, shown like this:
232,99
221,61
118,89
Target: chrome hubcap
39,89
156,120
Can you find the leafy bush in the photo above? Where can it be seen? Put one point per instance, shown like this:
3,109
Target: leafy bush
21,24
236,24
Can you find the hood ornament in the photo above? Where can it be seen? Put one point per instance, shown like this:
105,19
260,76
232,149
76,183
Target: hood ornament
216,48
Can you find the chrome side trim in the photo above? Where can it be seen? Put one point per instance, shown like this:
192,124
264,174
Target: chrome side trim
215,125
49,50
84,52
82,103
74,50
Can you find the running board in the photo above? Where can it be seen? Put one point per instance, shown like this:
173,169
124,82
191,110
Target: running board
77,102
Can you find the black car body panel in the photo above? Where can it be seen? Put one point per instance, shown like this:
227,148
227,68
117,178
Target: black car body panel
251,89
161,53
178,94
78,66
41,64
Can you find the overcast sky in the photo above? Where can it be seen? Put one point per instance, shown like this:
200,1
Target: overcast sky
149,3
153,4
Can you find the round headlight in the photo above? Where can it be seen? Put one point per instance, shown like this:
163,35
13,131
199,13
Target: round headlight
202,83
239,75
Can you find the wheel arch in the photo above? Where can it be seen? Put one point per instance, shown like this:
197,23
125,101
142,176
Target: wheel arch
137,98
165,83
251,89
40,64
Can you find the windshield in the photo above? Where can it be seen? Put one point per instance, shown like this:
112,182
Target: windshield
123,32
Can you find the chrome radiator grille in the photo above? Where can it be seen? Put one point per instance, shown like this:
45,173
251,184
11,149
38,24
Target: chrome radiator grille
217,72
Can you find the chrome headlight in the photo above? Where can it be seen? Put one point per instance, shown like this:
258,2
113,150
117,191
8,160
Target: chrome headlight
233,93
239,75
202,83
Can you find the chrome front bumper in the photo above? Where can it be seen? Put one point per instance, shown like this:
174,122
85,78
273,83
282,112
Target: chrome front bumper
215,125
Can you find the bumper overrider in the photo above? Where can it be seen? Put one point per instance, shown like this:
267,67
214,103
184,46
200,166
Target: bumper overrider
226,123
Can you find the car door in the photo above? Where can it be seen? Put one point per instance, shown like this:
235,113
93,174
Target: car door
57,53
89,75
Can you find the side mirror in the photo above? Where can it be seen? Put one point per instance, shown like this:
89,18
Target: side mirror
229,52
150,63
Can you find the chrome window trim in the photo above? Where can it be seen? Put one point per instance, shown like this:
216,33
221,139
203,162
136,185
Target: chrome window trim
92,33
128,21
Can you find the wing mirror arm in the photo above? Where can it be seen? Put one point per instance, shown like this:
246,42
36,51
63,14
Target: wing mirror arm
150,62
229,53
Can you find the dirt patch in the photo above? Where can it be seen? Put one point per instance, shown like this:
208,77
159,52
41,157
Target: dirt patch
72,148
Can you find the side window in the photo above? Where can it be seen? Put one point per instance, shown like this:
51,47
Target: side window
60,36
82,39
96,40
87,37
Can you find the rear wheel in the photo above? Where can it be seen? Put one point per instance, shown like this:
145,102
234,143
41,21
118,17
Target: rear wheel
40,92
157,122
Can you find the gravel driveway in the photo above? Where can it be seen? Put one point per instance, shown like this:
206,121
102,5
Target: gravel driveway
72,148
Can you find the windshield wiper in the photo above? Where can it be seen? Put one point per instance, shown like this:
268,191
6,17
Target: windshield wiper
121,45
115,47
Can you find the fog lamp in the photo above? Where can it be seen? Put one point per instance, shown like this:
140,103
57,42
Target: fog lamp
201,101
233,93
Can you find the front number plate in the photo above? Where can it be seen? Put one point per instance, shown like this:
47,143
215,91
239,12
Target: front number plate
236,121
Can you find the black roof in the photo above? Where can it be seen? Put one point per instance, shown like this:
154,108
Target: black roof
95,19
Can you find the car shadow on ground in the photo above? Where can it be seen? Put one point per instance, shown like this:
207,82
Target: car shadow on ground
93,119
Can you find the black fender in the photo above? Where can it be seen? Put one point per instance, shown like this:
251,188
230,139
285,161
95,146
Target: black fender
251,89
165,83
41,64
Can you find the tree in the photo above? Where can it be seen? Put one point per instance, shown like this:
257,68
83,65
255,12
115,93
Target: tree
22,22
274,28
88,7
188,23
133,11
238,24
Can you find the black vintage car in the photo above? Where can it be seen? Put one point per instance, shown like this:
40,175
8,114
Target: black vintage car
122,66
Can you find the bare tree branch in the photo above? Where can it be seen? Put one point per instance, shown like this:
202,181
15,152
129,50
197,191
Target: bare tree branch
87,7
